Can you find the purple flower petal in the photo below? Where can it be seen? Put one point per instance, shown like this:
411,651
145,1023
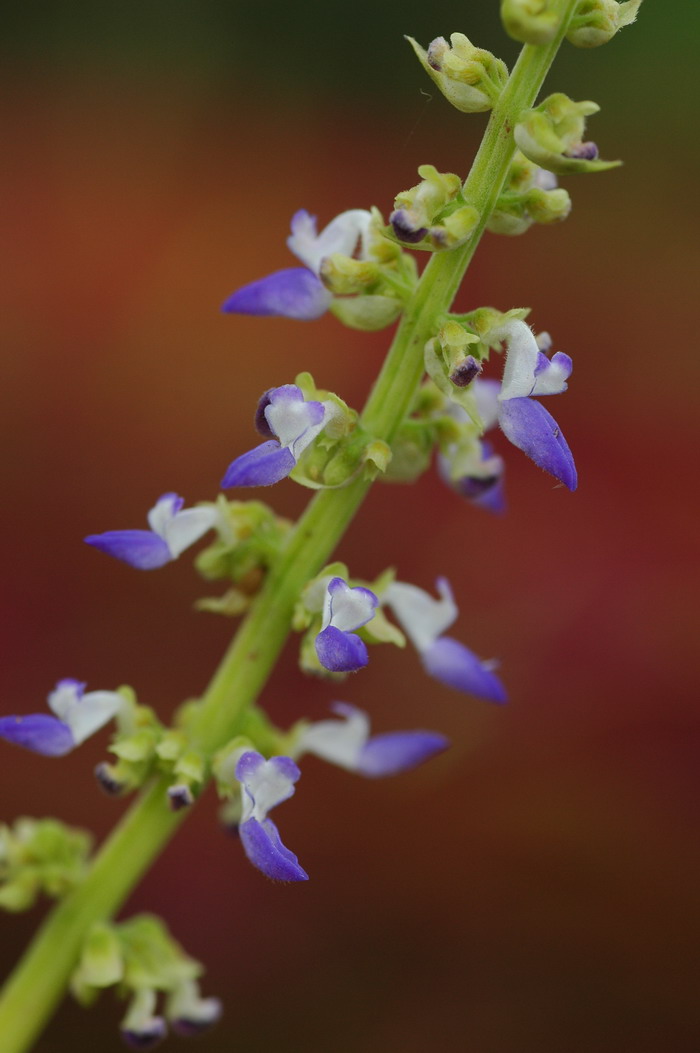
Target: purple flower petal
263,466
262,844
398,751
533,430
38,732
293,293
485,491
340,652
147,1038
453,664
139,548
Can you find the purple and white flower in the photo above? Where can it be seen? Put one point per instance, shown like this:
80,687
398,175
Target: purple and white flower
189,1013
290,423
347,742
78,716
265,784
345,610
173,529
526,423
424,620
141,1028
298,292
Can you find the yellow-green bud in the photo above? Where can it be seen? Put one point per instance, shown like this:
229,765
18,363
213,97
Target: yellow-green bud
344,275
551,135
530,21
595,22
548,206
469,77
454,229
368,313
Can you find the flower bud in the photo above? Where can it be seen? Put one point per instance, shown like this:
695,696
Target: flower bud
469,77
344,275
595,22
368,313
530,21
551,136
416,208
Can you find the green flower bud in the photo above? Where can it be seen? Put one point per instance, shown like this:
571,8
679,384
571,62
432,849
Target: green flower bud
101,963
411,452
530,21
595,22
469,77
530,195
368,313
454,229
344,275
551,136
40,856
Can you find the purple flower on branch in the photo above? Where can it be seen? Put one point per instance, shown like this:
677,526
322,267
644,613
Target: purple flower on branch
424,620
347,743
345,609
298,292
173,529
290,424
265,784
526,423
78,715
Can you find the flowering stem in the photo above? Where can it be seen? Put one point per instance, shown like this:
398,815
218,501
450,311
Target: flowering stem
40,979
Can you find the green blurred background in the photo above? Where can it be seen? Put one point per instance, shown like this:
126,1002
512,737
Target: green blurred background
535,888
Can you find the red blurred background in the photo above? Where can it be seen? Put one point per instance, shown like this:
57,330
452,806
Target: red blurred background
535,887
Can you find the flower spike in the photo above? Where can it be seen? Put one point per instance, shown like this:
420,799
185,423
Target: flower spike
347,743
265,784
78,716
424,620
290,424
173,529
345,609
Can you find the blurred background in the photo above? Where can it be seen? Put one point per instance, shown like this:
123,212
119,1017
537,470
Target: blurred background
535,888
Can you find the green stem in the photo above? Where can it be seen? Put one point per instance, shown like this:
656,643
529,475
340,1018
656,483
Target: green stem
38,983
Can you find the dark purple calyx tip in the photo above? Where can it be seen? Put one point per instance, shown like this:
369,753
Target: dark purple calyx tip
583,152
180,797
463,374
404,229
260,421
473,486
107,780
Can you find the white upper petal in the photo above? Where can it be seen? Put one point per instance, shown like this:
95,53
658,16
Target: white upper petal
527,370
422,617
162,513
521,359
188,526
267,783
337,741
347,608
294,421
87,714
341,235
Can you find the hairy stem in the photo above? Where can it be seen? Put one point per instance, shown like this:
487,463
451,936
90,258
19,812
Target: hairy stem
40,979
